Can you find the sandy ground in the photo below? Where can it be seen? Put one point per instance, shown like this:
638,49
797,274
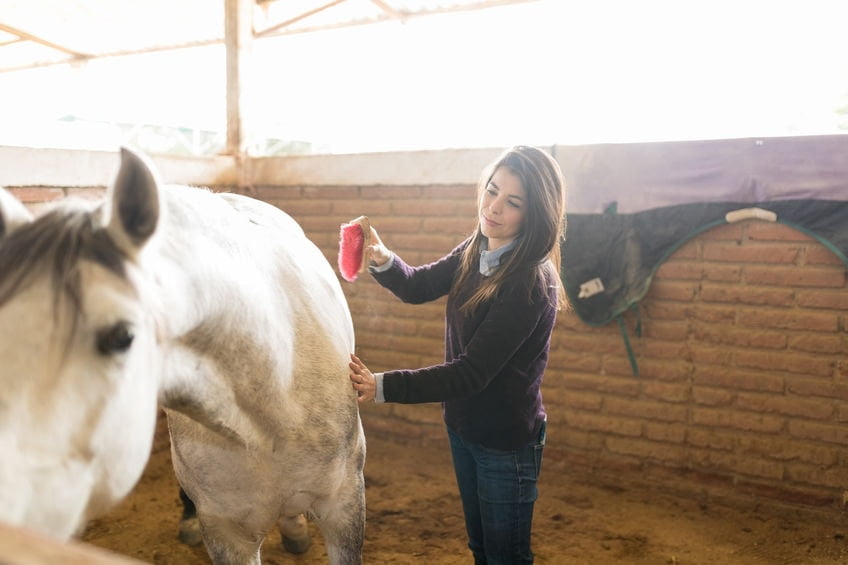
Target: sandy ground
414,516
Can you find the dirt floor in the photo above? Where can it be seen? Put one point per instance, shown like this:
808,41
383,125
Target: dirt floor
414,516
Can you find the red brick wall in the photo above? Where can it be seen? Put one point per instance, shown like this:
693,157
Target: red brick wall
743,371
743,378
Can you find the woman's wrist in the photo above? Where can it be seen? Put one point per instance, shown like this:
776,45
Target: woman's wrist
376,267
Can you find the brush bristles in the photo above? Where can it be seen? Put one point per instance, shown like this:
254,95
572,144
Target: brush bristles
351,249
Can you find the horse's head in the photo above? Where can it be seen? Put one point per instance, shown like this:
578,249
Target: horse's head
78,381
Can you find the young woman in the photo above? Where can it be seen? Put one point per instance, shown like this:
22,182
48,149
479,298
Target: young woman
503,291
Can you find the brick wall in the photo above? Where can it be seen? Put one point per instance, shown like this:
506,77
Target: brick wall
743,380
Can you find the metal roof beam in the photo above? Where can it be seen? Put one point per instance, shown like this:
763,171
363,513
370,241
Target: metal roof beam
35,39
283,28
388,10
282,25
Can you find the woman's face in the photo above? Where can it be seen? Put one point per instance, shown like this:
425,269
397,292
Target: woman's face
501,208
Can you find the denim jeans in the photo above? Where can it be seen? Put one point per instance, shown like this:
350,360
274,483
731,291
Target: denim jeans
498,490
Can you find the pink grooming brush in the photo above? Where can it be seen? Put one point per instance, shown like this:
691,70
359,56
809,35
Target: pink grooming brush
354,237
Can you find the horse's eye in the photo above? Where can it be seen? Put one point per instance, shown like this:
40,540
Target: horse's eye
114,339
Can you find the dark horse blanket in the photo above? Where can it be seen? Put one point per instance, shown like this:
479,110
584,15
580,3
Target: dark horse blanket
631,205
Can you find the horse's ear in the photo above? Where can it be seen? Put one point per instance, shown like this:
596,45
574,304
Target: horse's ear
132,203
12,213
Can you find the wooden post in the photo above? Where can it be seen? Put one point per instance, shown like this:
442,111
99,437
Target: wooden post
238,39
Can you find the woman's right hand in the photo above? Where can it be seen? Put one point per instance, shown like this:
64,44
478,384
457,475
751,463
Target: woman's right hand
377,250
362,380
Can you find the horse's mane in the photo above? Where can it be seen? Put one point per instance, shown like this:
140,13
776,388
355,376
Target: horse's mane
53,244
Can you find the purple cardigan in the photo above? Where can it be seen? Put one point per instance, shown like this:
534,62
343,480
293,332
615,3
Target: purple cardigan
489,384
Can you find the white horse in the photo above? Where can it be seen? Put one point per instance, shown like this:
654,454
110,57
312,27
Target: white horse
217,307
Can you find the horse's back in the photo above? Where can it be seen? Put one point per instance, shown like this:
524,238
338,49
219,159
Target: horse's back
257,210
261,247
305,274
242,224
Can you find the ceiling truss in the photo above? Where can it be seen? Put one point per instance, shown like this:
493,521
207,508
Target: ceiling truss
11,35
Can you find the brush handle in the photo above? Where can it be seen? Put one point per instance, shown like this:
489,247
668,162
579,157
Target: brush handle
365,226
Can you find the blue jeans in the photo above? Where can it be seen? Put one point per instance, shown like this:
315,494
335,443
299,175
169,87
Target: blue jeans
498,490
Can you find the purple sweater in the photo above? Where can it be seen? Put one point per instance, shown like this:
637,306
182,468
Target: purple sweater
489,384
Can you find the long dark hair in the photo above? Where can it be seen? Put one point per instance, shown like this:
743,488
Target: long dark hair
543,227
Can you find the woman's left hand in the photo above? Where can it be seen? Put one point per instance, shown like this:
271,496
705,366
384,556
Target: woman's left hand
362,379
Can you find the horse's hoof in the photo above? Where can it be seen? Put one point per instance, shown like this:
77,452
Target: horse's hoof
190,532
296,546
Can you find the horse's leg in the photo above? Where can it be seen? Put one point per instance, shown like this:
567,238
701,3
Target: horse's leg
342,522
295,533
189,524
227,543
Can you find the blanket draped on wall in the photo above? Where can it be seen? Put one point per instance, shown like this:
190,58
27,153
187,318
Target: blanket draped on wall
631,205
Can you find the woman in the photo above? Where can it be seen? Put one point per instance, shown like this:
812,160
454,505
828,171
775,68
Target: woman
503,293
